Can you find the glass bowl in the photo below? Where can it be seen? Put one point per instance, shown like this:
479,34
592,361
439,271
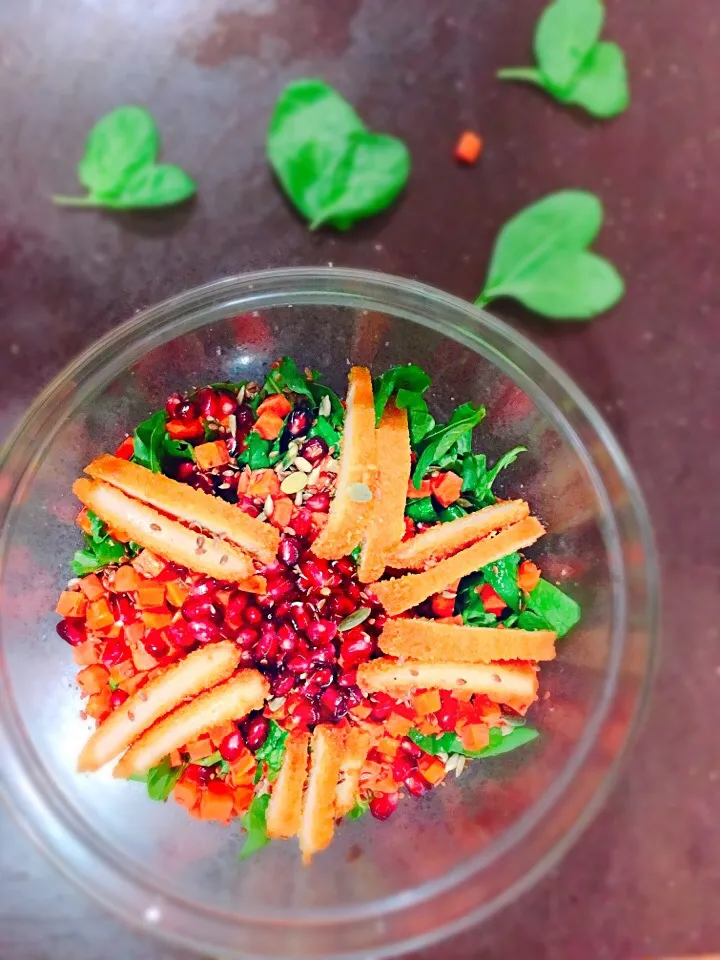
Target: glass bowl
462,851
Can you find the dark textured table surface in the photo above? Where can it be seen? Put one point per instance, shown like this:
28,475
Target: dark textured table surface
645,878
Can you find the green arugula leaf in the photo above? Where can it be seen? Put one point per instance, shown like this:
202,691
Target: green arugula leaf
573,66
450,743
273,750
527,620
502,575
359,810
540,259
444,438
153,445
559,611
470,606
209,761
324,428
420,421
421,510
453,512
101,549
256,453
411,379
119,168
332,168
161,779
255,824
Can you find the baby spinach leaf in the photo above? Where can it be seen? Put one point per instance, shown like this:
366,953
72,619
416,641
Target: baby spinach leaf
138,777
450,743
359,810
559,611
101,549
478,480
441,439
209,761
527,620
153,445
256,453
324,428
420,421
273,750
453,512
470,606
332,168
502,575
410,380
119,169
540,259
255,824
421,510
161,779
573,66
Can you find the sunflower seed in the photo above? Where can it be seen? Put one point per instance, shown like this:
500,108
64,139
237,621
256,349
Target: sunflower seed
269,506
325,406
294,482
314,477
451,762
241,394
462,761
302,464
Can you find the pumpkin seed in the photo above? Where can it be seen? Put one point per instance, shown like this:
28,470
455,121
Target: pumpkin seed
355,618
294,482
360,492
302,464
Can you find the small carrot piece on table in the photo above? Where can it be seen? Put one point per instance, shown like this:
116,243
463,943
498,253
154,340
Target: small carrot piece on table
405,592
435,642
468,148
387,525
93,679
352,506
284,808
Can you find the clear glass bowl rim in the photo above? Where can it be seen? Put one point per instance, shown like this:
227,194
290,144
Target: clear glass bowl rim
360,289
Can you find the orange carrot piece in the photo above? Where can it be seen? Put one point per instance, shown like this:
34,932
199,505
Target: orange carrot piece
475,736
444,539
126,579
408,591
241,767
446,488
92,587
157,619
98,706
388,746
269,425
83,521
435,642
212,454
71,603
151,594
86,653
185,793
177,592
528,576
200,748
276,403
217,734
176,759
427,702
397,725
148,564
350,511
264,483
99,615
413,493
468,148
432,768
282,512
134,632
242,798
387,526
93,679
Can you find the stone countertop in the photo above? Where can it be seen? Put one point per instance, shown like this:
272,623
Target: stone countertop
644,879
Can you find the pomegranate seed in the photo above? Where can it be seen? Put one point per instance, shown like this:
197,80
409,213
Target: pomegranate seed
256,731
244,418
411,748
447,717
353,591
267,646
298,664
384,806
172,405
321,632
123,608
289,551
345,567
312,690
273,569
314,449
71,631
115,652
324,654
202,608
179,635
282,683
155,645
279,587
402,766
185,470
316,571
298,422
302,522
117,698
227,403
318,502
198,774
301,616
208,402
247,506
382,707
356,649
187,411
252,615
340,605
234,613
323,676
353,696
416,784
380,621
305,713
247,658
247,637
201,482
334,702
287,638
348,678
232,746
204,631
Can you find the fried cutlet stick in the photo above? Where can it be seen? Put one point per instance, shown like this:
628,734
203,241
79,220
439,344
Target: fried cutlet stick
285,807
318,813
357,744
434,642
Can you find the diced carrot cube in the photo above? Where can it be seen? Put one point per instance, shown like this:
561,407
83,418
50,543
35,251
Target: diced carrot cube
126,579
475,736
388,746
442,606
142,660
85,653
134,632
177,592
92,587
175,758
264,483
147,564
200,748
186,793
269,426
133,683
71,603
468,148
432,768
216,801
277,403
92,679
242,798
446,488
83,521
218,734
397,725
528,576
414,494
362,711
240,768
157,619
99,615
282,512
427,702
126,449
98,706
426,727
212,454
151,594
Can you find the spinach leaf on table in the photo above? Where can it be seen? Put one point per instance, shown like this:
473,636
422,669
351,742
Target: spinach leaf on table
119,167
329,164
541,259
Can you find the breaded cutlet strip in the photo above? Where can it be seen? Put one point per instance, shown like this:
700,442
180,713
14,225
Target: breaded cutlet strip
357,745
231,700
387,524
444,539
187,504
285,807
167,538
435,642
500,682
405,592
318,813
201,669
348,518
